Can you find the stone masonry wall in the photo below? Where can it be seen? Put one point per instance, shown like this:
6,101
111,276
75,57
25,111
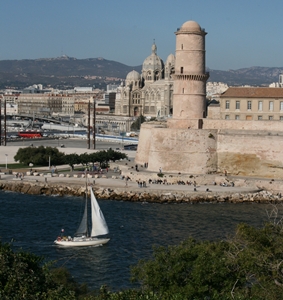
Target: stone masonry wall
177,150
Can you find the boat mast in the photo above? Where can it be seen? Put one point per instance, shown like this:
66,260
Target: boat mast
86,203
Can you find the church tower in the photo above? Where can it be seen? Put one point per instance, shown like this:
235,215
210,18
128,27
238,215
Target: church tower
189,96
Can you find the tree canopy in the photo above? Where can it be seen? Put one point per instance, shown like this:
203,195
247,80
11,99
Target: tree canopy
136,125
246,266
102,157
39,155
23,275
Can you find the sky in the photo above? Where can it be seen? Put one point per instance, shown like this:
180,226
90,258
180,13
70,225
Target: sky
240,34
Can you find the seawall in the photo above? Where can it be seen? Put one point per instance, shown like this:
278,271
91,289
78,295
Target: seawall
151,196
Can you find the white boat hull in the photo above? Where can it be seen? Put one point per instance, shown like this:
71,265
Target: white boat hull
82,242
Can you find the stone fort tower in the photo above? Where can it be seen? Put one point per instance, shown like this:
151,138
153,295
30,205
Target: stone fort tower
189,97
190,143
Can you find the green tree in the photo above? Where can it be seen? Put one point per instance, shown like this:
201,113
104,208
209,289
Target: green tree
24,276
249,265
84,158
72,159
137,123
39,156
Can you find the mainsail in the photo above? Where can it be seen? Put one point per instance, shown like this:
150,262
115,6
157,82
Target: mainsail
83,228
99,226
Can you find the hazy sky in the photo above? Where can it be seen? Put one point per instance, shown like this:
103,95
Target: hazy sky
241,33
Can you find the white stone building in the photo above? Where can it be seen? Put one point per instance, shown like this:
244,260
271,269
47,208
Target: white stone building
149,93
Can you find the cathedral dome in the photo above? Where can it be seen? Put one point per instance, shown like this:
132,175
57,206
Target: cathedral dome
191,26
153,62
133,76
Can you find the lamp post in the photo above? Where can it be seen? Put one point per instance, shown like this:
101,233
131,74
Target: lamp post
6,161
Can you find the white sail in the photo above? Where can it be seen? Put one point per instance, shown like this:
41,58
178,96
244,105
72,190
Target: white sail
99,226
83,228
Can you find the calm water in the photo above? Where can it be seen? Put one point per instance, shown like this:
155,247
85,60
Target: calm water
35,221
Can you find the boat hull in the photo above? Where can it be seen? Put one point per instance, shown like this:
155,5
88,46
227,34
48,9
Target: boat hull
82,243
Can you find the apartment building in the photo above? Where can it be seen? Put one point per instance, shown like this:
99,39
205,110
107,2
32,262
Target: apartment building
45,104
251,103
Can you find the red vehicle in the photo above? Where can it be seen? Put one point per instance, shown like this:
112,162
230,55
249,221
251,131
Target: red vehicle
30,134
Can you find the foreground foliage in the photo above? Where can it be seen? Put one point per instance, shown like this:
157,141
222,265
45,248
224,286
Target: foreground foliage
247,266
24,276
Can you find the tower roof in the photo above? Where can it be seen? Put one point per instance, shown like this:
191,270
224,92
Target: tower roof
191,26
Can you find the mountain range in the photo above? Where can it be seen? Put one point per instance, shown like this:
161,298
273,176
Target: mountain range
67,72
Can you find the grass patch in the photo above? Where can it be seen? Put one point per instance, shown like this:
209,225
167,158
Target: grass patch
18,166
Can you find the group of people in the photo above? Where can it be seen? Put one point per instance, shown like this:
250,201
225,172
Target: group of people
141,183
126,178
19,175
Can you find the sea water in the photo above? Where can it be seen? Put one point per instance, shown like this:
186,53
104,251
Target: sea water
33,223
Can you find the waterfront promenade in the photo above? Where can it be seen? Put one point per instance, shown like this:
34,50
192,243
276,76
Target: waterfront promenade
114,180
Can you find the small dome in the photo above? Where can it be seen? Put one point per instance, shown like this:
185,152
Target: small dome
170,59
133,76
191,26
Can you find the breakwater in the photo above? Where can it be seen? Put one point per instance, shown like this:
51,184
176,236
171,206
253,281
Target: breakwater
135,195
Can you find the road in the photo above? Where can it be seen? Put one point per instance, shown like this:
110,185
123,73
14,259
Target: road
68,143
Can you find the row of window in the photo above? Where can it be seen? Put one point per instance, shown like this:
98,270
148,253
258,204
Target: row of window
249,105
237,117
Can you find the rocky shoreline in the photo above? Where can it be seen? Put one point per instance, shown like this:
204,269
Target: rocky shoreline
134,195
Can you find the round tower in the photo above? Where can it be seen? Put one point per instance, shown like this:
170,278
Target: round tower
189,96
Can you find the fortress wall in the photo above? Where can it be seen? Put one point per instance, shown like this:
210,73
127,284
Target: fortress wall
267,126
182,123
243,125
145,138
177,150
250,153
253,152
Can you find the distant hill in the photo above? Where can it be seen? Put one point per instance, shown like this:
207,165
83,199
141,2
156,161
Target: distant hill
255,76
67,72
62,72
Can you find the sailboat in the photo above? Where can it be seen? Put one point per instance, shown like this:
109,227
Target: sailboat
84,237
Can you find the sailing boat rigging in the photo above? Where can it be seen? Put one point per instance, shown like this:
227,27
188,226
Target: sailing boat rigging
84,236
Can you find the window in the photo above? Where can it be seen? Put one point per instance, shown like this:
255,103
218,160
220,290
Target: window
249,106
227,104
281,105
260,105
227,117
271,105
237,104
259,118
281,118
237,117
270,118
182,70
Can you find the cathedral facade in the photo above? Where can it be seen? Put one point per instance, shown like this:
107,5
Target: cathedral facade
150,93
